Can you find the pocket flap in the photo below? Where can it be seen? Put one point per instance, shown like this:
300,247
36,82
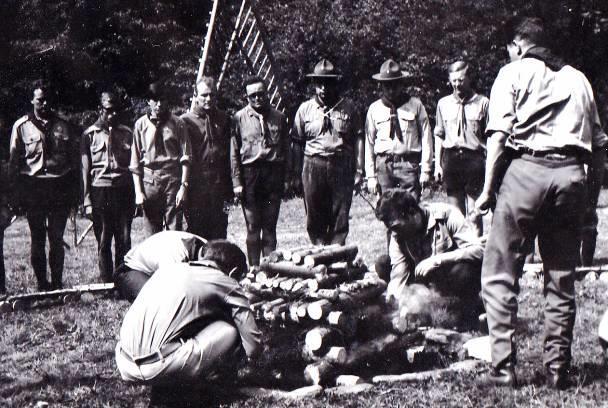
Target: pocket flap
406,115
33,138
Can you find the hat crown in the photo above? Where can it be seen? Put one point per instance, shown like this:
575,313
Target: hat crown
390,67
324,67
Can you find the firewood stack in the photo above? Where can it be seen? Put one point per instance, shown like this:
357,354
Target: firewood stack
325,298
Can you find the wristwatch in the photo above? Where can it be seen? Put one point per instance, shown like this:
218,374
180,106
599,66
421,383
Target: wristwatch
185,184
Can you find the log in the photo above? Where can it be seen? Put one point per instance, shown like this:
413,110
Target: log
270,304
320,339
276,282
288,269
345,322
345,253
275,256
437,374
288,284
320,372
335,355
298,256
319,309
288,253
348,380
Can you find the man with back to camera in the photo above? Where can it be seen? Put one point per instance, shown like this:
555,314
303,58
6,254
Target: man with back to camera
259,160
108,198
211,187
328,152
543,127
398,142
160,163
163,248
43,171
191,324
460,142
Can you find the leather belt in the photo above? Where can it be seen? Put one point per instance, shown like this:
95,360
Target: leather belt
163,352
553,154
406,157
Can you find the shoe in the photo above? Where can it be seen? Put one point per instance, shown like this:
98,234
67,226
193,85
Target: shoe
557,378
502,377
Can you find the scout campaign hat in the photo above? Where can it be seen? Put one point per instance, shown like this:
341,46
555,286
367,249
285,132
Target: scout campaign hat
324,69
391,71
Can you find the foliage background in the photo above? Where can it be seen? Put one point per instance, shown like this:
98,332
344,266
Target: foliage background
83,45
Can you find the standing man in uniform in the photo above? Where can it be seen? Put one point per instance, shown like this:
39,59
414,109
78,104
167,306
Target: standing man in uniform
544,118
260,153
398,142
460,148
160,163
43,170
328,152
209,131
108,199
190,324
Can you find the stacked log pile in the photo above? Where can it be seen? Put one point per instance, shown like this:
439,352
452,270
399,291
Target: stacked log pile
326,308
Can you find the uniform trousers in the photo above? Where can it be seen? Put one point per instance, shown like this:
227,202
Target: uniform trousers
205,356
205,208
113,209
328,184
47,203
538,197
394,171
262,193
160,187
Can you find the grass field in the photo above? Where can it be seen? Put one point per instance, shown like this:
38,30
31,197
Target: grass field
64,355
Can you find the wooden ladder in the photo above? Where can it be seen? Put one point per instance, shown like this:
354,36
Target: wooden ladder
248,37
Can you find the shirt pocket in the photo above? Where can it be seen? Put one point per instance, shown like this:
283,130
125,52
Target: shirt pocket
475,120
407,122
98,151
341,124
275,133
33,145
383,126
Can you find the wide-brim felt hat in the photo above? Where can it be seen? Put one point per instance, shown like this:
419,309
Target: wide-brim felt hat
391,71
324,69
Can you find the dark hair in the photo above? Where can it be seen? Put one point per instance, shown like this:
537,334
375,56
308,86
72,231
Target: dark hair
227,256
41,84
157,91
530,29
254,79
395,203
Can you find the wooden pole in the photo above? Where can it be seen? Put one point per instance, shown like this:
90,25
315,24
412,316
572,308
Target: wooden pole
345,253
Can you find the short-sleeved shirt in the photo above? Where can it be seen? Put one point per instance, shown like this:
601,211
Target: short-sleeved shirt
163,248
415,129
250,145
178,301
447,231
210,143
470,136
542,109
339,138
105,153
176,141
43,149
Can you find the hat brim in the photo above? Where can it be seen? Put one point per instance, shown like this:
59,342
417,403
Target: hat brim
382,78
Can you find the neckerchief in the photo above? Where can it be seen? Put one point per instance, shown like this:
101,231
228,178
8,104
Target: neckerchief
205,116
265,132
545,55
159,140
395,130
461,116
327,126
44,128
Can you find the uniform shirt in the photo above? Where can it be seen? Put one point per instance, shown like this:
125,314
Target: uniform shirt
178,301
339,138
210,143
163,248
415,129
105,153
542,109
42,149
447,231
253,142
462,124
176,144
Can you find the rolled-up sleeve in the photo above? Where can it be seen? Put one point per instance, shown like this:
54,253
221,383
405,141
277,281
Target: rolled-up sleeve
501,110
426,139
439,129
245,323
184,141
136,165
370,141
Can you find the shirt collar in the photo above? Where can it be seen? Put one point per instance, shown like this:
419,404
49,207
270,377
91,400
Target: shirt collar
465,101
